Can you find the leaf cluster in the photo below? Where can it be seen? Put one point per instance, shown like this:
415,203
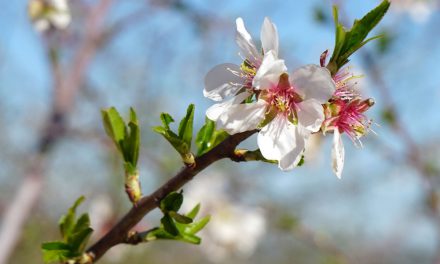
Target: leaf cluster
126,136
75,233
176,226
348,41
207,137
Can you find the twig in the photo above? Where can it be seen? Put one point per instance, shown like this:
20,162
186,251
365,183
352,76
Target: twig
120,232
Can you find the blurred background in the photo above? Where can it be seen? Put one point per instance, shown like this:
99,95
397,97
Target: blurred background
153,55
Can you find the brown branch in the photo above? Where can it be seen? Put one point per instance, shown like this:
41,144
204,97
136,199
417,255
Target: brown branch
120,232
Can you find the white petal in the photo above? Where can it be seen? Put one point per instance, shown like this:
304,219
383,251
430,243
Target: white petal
60,20
268,75
310,115
280,140
41,25
216,110
238,118
245,42
313,81
223,80
61,17
269,36
338,154
60,4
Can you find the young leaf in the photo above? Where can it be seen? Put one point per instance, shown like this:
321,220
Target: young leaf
180,218
75,232
169,225
189,238
186,126
158,233
208,137
193,213
114,125
82,223
78,241
172,202
204,136
166,120
173,139
67,221
55,252
349,41
132,143
362,27
197,226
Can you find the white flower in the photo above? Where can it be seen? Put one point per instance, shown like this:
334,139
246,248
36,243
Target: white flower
231,80
296,101
290,108
49,13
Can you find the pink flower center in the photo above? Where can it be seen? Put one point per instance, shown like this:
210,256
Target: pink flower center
350,118
283,97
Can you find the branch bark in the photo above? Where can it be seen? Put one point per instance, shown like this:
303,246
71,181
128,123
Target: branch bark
120,232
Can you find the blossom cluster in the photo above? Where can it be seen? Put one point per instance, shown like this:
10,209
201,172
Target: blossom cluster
285,108
47,14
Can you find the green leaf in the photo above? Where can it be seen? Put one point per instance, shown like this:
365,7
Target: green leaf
78,241
169,225
132,144
182,140
166,120
82,223
204,136
218,137
180,218
125,137
362,27
172,202
179,145
186,126
133,115
67,222
55,245
81,233
114,126
75,233
189,238
349,41
55,252
193,213
158,233
208,137
197,226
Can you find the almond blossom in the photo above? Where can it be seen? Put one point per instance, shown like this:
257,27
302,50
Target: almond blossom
288,109
49,13
231,80
294,107
345,114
